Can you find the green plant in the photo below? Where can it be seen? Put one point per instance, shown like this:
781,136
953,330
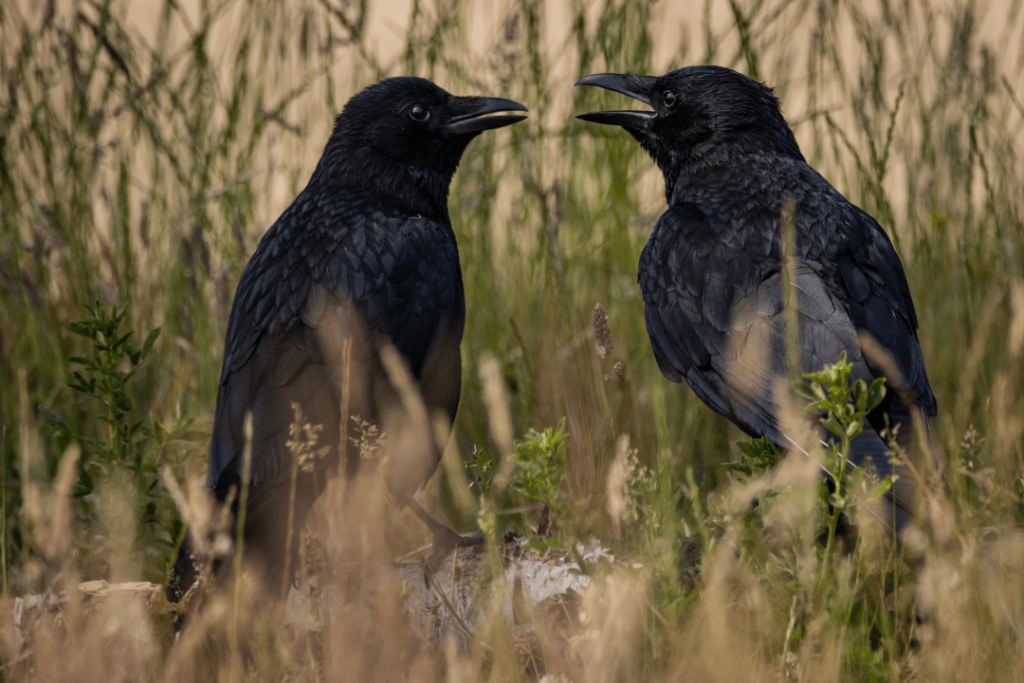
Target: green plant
124,444
842,408
540,461
757,456
104,378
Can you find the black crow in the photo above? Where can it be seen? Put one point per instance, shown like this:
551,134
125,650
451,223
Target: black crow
712,272
365,256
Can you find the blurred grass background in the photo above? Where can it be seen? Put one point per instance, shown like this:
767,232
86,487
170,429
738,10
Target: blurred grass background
146,147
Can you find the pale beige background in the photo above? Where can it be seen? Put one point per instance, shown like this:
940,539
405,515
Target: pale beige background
678,40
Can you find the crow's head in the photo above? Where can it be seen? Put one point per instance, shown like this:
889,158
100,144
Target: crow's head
702,116
404,137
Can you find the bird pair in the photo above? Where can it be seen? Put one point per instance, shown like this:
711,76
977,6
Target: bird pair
351,310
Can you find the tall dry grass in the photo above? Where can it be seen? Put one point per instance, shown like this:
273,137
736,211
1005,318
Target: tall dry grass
146,147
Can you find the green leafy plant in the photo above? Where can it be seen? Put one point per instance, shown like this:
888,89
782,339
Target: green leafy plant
842,407
482,468
104,378
540,464
757,456
539,470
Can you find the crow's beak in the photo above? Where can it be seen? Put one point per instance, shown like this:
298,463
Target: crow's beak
633,85
475,115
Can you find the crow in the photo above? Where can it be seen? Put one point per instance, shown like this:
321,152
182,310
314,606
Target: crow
365,257
713,275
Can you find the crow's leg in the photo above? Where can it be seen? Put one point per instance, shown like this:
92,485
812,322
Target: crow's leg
445,540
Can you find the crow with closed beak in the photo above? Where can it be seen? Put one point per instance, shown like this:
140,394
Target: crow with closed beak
713,278
363,259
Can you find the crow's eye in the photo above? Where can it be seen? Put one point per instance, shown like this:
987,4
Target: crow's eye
669,98
418,113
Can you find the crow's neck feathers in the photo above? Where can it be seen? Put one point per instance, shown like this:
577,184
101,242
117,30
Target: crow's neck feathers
688,164
351,163
719,118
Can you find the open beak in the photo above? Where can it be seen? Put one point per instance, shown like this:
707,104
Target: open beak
634,86
475,117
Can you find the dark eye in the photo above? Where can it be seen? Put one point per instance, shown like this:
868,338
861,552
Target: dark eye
669,98
418,113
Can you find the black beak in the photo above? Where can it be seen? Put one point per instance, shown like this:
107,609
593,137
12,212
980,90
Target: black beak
633,85
475,117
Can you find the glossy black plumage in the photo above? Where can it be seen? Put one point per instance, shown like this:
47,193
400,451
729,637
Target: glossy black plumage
365,253
712,274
